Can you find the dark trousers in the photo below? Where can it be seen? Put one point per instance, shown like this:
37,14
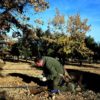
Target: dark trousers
57,83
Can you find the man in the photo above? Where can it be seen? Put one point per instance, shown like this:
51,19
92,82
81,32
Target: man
53,71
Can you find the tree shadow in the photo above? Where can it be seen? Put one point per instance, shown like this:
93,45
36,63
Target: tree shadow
83,65
1,69
3,95
18,60
28,79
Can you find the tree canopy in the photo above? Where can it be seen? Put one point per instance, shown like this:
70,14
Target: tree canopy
9,6
68,38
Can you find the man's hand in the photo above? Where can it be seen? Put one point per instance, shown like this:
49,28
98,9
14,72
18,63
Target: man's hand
65,78
42,78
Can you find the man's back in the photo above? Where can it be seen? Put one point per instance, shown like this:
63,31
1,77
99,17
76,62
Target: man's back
52,67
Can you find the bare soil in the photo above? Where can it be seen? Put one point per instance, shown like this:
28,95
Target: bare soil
15,78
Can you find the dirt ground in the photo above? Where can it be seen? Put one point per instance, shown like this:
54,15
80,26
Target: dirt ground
95,69
16,78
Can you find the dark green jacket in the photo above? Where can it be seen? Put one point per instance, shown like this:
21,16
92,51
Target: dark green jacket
52,68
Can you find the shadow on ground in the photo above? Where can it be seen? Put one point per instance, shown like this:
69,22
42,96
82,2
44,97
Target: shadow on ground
3,95
83,65
89,80
28,79
17,61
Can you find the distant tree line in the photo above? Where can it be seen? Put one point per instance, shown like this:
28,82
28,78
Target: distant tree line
63,40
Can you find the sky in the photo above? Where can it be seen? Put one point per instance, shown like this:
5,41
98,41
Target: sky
86,8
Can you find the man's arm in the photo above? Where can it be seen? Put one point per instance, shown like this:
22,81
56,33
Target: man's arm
53,73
